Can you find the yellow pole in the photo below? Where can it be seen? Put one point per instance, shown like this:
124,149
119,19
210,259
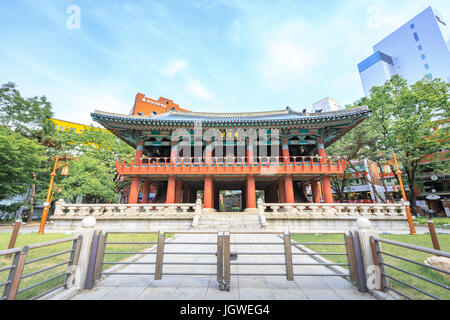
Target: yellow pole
47,207
408,211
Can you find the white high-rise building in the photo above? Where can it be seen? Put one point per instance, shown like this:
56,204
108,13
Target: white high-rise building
420,47
325,105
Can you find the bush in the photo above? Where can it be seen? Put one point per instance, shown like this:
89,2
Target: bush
438,222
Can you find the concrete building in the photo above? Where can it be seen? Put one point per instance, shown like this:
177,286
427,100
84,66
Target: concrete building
418,48
366,183
325,105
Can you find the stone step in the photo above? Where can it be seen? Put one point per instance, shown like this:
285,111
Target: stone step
228,227
249,217
230,220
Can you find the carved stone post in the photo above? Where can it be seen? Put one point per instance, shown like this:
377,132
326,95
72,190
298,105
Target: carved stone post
262,214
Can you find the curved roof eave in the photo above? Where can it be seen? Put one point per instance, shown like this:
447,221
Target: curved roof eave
275,117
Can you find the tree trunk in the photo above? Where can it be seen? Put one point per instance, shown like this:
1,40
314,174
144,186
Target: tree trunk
33,192
383,182
412,196
335,186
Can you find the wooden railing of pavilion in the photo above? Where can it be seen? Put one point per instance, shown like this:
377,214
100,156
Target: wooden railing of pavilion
232,165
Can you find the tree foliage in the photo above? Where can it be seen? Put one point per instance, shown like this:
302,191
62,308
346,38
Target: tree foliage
410,121
26,116
92,174
30,144
30,118
20,158
90,179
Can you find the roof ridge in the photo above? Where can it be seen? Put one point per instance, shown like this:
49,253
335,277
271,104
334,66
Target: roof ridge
236,114
226,114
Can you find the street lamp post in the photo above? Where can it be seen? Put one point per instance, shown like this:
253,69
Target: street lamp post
408,210
47,201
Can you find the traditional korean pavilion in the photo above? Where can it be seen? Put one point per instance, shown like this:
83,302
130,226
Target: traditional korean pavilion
293,158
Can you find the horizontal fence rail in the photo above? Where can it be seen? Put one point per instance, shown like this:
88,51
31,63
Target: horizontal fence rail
225,257
6,285
157,250
314,255
378,254
19,261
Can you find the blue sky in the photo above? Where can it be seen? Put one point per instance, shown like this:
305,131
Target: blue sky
206,55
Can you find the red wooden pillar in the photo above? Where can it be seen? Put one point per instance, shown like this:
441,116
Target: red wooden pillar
170,195
145,191
326,184
315,191
134,190
139,152
281,189
326,187
208,193
289,189
251,192
250,154
285,151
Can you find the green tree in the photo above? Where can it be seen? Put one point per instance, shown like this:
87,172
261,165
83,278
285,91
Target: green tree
90,179
94,153
29,117
20,158
358,144
410,121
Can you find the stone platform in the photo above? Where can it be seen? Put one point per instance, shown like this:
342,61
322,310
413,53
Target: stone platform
299,217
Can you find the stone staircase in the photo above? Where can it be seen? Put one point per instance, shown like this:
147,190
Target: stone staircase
227,221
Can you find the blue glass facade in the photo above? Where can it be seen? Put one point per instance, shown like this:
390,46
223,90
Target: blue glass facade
419,48
373,59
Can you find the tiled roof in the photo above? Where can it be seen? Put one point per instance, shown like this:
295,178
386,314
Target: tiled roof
286,115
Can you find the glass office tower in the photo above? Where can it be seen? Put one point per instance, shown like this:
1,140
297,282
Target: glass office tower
420,47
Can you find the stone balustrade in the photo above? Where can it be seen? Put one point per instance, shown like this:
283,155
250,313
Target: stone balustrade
332,210
320,217
332,217
63,209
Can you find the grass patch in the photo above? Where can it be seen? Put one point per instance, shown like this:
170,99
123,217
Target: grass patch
423,240
438,222
326,238
127,247
32,238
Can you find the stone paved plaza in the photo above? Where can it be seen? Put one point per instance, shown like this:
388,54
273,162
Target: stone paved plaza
131,287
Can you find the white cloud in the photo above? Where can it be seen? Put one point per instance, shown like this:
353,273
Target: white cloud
197,89
290,55
174,67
